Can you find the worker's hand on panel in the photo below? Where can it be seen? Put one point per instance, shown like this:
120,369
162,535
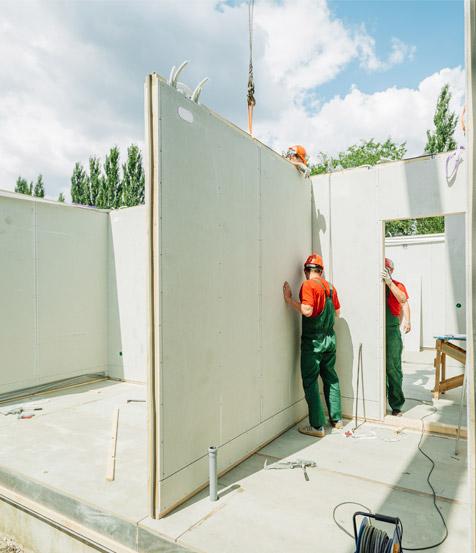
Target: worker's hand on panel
288,295
407,326
386,277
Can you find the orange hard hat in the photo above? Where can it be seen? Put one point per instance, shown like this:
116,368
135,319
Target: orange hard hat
389,263
313,261
298,151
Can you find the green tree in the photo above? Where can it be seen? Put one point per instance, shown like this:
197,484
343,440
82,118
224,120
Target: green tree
442,139
368,152
101,198
39,190
112,185
61,198
22,186
79,185
94,179
430,225
133,181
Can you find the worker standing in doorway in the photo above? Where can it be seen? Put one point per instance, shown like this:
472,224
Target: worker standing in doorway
397,309
318,305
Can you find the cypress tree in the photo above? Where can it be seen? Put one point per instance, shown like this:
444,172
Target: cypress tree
77,185
22,186
113,187
133,177
39,190
94,180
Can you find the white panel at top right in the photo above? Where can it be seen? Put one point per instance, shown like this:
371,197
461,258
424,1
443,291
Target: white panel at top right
422,187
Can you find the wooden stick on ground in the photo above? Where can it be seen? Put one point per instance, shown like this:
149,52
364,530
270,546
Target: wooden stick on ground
111,461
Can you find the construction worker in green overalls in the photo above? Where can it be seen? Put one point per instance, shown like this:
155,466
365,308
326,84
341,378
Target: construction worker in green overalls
318,305
397,309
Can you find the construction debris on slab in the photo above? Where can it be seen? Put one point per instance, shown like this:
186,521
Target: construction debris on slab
8,545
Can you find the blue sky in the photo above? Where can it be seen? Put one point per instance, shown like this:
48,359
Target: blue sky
434,27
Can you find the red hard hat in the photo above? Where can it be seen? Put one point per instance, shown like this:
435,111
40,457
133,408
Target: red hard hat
313,261
389,263
298,151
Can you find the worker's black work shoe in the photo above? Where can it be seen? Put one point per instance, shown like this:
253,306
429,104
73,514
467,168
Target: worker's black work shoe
396,413
338,425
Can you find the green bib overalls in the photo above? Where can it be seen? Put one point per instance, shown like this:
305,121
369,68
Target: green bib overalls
394,348
318,358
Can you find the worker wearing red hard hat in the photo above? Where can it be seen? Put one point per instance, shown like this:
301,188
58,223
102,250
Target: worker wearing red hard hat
318,305
397,308
298,155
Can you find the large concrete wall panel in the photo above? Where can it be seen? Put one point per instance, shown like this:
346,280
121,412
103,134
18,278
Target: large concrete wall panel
455,268
420,188
127,309
285,244
420,265
234,223
72,291
18,297
54,277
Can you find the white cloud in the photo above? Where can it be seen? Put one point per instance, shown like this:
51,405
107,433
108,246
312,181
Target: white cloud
305,46
400,52
404,114
369,61
72,76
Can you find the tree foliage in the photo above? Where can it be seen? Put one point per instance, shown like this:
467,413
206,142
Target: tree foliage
113,185
39,190
61,198
133,178
104,186
410,227
94,179
368,152
22,186
78,187
442,139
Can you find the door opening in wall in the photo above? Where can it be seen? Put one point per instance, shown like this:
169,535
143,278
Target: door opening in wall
425,318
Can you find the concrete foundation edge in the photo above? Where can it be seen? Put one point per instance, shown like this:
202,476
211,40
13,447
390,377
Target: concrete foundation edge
38,527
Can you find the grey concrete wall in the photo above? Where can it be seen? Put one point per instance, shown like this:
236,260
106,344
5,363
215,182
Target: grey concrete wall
53,305
234,222
349,211
420,263
455,270
127,313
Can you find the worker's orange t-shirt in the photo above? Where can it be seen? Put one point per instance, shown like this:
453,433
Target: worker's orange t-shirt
314,294
393,304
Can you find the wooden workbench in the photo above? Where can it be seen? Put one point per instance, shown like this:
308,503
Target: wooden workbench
443,348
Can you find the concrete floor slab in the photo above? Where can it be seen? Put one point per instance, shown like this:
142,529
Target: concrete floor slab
278,511
66,445
419,381
63,451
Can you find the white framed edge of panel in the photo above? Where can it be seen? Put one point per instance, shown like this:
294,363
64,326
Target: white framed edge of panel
470,62
151,158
